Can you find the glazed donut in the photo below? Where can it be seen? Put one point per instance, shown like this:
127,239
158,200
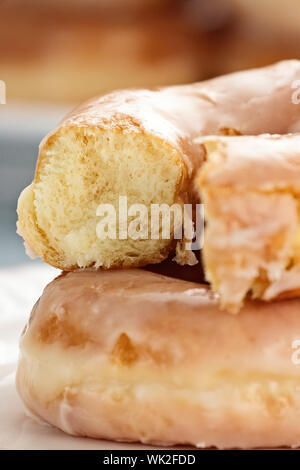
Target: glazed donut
135,356
140,144
250,187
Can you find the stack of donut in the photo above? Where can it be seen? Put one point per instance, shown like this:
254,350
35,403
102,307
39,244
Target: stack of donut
204,354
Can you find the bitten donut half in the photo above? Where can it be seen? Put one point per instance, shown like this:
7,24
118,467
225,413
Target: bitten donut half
250,187
136,356
140,144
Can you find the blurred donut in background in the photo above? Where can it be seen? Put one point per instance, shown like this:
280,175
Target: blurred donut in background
62,53
261,32
242,34
283,15
70,50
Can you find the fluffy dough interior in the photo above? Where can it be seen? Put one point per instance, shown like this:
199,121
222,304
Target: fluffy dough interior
83,167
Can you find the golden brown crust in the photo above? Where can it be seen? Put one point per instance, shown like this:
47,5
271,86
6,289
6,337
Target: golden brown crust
133,355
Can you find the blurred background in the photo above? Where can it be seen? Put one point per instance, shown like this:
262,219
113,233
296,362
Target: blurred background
56,53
